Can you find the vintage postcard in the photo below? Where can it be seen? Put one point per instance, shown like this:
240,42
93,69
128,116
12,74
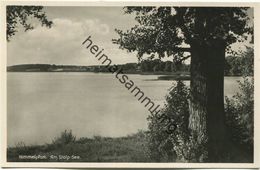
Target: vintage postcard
129,84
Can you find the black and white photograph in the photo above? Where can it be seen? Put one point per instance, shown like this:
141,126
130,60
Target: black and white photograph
129,83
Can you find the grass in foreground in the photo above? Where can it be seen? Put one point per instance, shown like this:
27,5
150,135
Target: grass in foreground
66,148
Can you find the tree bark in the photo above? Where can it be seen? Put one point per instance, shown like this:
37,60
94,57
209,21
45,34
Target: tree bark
207,118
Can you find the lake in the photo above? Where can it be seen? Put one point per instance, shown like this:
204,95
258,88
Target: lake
42,105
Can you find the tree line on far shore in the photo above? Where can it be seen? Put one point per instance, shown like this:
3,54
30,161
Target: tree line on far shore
233,66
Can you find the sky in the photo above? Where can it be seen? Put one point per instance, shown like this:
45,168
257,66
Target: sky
62,43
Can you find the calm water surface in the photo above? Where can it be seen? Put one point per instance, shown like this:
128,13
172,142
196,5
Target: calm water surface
41,105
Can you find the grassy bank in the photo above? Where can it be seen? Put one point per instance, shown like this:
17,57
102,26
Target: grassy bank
131,148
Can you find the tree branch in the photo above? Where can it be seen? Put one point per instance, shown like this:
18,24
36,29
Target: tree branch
179,61
184,58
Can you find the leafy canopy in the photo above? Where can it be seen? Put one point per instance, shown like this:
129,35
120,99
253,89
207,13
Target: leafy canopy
166,30
20,15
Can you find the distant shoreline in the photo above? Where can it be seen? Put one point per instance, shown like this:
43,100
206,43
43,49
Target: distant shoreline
134,69
126,72
89,69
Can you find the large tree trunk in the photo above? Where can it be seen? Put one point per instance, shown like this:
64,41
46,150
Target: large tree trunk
207,119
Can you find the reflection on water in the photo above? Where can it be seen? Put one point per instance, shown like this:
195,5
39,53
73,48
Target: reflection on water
41,105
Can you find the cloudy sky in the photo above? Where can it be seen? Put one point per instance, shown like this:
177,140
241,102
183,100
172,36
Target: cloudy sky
61,44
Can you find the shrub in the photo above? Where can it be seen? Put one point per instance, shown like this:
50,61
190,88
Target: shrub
65,138
240,114
168,130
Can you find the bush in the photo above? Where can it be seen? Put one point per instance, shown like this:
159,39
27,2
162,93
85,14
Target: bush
169,133
65,138
240,114
168,130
